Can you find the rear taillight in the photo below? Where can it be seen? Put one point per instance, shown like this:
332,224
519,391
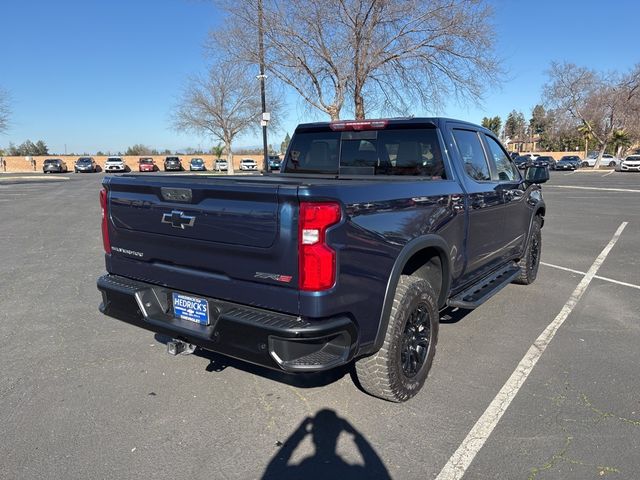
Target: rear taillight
358,125
105,218
317,260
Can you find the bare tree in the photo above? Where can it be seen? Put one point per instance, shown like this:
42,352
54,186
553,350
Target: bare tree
602,103
222,104
378,54
5,111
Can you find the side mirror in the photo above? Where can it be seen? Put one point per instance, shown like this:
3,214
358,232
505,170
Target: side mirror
536,173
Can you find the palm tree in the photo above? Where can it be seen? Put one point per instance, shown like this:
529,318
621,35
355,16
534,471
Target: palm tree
218,150
587,136
620,141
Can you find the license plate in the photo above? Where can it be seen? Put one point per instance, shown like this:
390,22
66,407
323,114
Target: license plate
190,308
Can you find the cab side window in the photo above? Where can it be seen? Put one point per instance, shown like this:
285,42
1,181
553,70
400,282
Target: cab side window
505,169
472,154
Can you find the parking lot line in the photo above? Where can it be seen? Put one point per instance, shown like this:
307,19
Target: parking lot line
604,189
606,279
33,178
607,174
459,462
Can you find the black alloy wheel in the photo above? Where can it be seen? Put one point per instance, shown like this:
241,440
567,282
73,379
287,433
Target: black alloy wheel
417,337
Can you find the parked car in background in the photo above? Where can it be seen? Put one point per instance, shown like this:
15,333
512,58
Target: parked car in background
631,164
197,164
115,164
147,164
85,164
532,156
548,160
567,163
220,165
56,165
248,164
172,163
514,155
608,160
274,162
522,161
575,159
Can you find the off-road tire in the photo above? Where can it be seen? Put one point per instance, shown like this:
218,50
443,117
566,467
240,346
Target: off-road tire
530,262
382,374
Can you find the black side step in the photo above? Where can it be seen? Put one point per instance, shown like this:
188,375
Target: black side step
478,293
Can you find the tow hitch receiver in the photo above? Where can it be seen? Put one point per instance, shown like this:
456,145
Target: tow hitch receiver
176,347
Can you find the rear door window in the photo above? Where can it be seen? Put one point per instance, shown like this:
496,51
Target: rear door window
472,154
505,170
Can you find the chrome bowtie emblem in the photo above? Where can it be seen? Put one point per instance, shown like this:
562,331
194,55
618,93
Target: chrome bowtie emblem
178,219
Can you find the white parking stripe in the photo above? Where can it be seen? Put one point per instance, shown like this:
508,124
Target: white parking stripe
457,465
594,188
606,279
607,174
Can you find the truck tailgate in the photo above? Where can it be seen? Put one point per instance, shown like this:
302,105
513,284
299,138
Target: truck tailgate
221,238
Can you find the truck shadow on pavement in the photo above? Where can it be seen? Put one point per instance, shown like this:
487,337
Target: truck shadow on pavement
325,429
218,363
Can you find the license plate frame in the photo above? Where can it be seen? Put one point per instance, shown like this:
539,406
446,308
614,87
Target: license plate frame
190,308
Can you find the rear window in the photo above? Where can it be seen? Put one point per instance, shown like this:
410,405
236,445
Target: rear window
413,152
49,162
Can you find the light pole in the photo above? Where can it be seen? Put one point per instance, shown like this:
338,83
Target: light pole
265,116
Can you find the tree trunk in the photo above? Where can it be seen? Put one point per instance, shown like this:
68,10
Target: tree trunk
334,113
227,145
359,105
600,153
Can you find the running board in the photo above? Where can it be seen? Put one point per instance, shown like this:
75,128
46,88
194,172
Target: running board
480,292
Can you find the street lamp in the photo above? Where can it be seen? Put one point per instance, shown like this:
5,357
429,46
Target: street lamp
262,77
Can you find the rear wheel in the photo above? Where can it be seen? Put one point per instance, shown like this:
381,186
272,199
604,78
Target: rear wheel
585,164
530,262
399,369
612,164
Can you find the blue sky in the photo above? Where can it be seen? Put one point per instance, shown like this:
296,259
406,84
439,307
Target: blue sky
103,75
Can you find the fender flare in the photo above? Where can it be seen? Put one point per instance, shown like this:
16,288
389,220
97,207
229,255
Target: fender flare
540,206
414,246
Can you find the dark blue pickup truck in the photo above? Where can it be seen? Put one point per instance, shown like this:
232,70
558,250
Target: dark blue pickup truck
349,254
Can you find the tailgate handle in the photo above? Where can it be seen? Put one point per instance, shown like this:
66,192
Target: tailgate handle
176,194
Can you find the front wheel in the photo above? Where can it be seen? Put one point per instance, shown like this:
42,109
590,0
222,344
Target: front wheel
530,262
399,369
612,164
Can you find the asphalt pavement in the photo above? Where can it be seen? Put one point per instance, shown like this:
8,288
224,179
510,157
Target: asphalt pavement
85,396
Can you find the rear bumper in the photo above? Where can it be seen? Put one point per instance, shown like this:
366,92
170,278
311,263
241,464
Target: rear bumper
262,337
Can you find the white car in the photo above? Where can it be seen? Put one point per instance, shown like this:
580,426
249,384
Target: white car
631,164
115,164
221,165
608,160
248,164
